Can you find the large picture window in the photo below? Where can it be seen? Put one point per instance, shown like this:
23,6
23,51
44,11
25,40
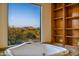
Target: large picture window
23,23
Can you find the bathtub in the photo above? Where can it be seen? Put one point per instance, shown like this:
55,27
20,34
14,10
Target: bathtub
36,49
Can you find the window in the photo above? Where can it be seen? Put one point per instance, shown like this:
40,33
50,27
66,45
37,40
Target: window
23,23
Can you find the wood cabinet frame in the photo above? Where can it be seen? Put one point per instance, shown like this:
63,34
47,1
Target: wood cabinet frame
65,23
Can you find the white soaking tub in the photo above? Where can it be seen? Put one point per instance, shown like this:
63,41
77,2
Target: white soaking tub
36,49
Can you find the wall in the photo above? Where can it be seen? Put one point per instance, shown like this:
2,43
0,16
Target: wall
3,25
46,22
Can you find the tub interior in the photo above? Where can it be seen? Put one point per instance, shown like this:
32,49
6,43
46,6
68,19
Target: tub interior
36,49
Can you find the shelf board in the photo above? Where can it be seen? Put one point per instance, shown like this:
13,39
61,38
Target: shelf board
77,17
58,28
68,28
58,18
69,36
70,5
59,35
72,28
58,9
72,36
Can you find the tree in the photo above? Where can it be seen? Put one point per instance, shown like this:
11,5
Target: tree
30,35
18,35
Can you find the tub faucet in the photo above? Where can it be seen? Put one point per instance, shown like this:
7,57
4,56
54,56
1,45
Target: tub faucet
43,54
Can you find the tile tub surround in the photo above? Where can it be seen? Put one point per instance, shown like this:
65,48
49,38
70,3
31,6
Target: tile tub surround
72,51
1,53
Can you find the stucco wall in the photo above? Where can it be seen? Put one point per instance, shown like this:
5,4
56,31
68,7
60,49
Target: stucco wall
46,22
3,25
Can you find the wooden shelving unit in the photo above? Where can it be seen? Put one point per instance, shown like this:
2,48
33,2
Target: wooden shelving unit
66,23
58,22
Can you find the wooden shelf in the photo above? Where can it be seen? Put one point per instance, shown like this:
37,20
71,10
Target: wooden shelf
72,36
71,18
58,28
72,28
58,9
69,36
70,4
58,5
68,28
58,18
59,35
65,6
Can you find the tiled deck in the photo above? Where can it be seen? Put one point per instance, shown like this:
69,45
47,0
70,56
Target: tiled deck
73,52
1,53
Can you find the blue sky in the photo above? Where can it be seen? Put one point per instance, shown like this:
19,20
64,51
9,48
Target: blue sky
23,14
